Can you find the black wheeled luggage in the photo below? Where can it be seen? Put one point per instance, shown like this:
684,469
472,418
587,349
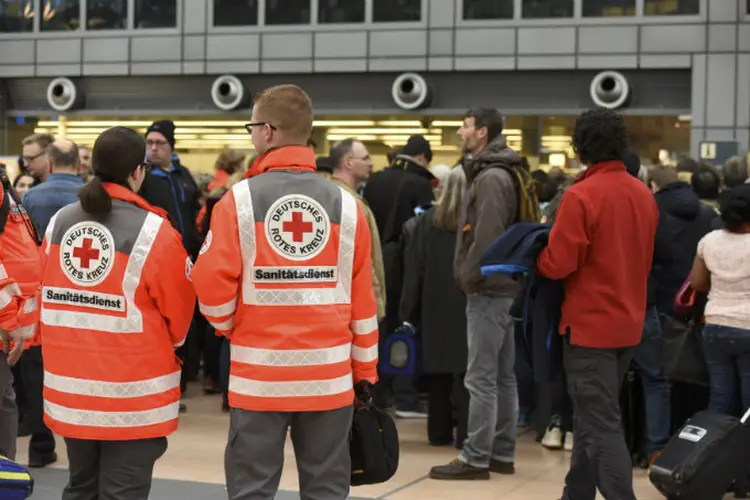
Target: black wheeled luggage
703,459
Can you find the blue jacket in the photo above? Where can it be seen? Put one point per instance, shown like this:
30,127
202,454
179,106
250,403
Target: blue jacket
539,303
44,200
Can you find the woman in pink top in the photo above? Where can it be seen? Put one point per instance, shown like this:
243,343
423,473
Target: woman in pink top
722,268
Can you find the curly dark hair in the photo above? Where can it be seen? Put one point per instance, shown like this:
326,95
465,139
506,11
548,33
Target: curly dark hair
735,207
600,135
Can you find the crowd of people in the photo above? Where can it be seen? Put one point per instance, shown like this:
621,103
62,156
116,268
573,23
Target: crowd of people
298,269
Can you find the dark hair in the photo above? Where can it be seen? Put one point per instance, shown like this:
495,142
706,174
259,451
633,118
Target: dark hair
662,175
735,171
117,153
706,182
600,135
735,207
687,164
340,151
546,186
492,119
19,176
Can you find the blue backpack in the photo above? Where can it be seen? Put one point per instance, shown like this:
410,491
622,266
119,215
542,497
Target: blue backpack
15,481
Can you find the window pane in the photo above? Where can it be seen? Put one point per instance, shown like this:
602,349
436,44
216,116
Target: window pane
155,14
388,11
60,15
106,14
16,16
488,9
341,11
235,12
287,12
536,9
608,8
671,7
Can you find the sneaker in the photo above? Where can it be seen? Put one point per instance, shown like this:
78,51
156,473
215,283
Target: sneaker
500,467
457,471
568,441
553,438
409,414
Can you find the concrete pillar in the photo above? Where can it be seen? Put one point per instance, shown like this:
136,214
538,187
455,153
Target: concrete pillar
721,80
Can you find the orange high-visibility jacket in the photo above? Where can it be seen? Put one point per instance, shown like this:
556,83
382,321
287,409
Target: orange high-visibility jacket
20,271
286,273
116,301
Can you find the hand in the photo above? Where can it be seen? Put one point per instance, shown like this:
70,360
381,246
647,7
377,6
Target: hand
362,393
15,353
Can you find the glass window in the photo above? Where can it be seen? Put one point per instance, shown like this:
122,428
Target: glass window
16,16
287,12
60,15
106,14
488,9
155,14
608,8
235,12
540,9
341,11
388,11
671,7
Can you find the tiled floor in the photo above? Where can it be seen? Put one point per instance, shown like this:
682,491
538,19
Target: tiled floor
196,454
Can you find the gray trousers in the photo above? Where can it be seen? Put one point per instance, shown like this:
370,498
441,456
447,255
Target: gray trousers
255,453
8,410
112,470
491,382
600,457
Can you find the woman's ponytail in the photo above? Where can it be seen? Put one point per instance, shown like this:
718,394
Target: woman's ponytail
95,200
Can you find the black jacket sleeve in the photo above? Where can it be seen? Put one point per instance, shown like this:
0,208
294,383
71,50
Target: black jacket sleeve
413,252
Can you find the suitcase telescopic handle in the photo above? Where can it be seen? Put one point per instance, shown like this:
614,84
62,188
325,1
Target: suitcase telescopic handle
745,416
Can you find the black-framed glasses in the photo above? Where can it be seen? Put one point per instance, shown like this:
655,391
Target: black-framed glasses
29,159
249,126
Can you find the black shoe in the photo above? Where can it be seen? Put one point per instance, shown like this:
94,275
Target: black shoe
502,467
183,408
457,471
40,461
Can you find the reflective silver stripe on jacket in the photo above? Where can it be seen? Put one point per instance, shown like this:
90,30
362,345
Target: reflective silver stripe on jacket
124,419
119,390
340,294
133,321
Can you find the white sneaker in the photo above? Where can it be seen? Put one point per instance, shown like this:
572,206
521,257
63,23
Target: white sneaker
409,414
553,438
568,441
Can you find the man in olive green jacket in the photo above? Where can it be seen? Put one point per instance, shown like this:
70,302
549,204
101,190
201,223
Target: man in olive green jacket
352,165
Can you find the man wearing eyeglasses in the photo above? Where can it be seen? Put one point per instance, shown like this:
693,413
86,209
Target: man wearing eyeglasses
171,187
34,157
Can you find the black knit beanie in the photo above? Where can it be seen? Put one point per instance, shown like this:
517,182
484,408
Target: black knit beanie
165,128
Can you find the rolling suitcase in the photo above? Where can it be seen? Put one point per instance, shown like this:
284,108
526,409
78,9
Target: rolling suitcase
15,481
703,459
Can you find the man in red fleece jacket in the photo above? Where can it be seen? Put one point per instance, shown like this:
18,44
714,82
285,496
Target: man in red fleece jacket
602,245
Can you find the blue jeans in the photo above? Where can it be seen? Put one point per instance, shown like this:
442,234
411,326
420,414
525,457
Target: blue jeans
728,359
648,361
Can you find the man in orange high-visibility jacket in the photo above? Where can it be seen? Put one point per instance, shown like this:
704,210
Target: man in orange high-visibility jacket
286,274
20,275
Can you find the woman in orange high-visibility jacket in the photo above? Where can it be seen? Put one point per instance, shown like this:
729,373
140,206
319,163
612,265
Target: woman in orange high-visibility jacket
116,301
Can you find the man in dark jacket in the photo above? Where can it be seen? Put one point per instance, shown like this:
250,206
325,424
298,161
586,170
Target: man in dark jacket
491,206
683,221
393,195
171,186
602,246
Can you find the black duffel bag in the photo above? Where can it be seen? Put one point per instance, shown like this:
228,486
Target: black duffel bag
373,444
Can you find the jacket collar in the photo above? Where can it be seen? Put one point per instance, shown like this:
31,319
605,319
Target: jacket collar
299,158
603,167
122,193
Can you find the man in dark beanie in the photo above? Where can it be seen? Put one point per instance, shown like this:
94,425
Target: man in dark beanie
170,186
393,195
